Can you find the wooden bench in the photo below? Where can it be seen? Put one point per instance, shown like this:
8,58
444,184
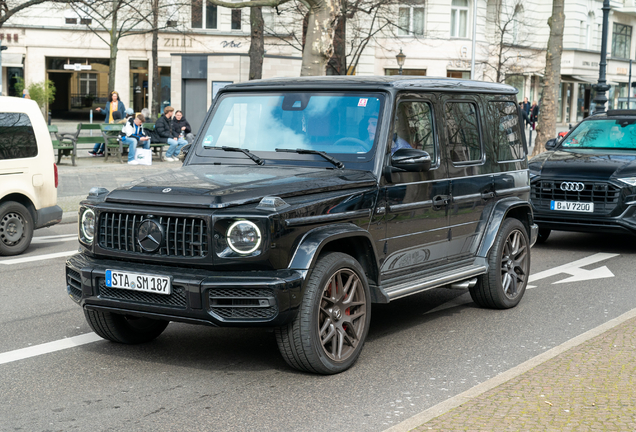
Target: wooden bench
111,136
64,143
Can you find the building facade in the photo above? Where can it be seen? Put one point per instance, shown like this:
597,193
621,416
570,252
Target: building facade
203,47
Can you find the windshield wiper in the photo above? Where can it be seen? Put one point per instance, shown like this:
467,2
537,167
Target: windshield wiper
247,153
333,160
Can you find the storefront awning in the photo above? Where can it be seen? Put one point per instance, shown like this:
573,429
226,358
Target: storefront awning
12,60
579,79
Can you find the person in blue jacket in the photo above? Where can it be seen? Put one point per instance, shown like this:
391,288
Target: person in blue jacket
114,105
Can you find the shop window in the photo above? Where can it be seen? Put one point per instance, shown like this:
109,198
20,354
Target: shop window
410,21
236,19
621,41
17,139
462,130
459,18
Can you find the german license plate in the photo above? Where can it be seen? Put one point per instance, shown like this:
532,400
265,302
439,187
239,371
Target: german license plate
138,282
586,207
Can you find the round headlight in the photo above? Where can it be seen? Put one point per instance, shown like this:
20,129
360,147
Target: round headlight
87,225
243,237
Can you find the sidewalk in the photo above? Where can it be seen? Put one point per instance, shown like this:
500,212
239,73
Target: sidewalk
591,385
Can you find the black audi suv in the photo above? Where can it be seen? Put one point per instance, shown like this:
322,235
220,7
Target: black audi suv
587,180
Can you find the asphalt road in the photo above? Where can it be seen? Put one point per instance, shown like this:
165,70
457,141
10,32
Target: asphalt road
420,351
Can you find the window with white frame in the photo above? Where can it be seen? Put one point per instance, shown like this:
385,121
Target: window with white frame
204,14
410,20
269,18
590,43
88,83
236,19
459,18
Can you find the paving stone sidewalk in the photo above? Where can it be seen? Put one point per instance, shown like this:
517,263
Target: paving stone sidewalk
591,387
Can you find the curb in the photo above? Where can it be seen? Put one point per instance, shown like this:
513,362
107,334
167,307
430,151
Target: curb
447,405
69,217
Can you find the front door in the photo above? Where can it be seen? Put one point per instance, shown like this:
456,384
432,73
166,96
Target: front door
416,218
195,102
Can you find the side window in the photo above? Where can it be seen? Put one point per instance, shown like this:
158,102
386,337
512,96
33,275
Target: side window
503,121
462,129
414,128
17,139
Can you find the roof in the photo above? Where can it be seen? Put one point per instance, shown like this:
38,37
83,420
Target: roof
397,82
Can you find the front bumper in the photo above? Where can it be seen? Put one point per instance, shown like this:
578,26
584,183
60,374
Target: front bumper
231,299
625,223
48,216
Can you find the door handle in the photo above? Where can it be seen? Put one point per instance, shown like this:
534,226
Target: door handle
441,200
487,195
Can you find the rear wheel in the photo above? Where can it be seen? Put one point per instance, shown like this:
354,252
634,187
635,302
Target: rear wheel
16,228
330,329
508,268
124,328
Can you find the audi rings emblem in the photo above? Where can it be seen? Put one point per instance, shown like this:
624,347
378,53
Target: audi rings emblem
150,235
572,186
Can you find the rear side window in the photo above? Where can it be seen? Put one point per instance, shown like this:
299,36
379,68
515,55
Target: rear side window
462,127
503,121
17,139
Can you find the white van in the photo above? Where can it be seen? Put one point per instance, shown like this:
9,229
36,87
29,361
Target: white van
28,175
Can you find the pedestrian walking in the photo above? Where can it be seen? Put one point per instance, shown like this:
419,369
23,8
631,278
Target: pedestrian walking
526,106
534,114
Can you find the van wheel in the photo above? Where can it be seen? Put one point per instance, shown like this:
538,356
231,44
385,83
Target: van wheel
328,333
544,233
124,329
508,269
16,228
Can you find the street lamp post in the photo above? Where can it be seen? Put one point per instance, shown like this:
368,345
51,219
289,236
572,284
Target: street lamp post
400,61
600,99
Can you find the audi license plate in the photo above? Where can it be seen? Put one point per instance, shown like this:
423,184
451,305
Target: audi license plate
586,207
138,282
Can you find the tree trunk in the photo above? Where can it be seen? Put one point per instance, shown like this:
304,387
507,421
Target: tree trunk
112,67
320,31
546,128
156,80
257,43
338,62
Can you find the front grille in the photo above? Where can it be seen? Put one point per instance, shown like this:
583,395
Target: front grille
243,303
74,283
605,196
177,298
183,236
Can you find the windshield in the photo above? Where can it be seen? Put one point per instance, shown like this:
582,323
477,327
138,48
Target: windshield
343,124
619,134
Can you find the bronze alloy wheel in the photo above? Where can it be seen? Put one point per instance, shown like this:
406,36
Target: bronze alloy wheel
341,319
514,264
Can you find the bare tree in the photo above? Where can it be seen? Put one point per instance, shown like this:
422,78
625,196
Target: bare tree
509,33
8,8
546,128
257,43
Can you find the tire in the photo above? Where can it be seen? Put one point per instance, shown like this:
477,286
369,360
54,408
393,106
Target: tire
508,268
328,334
16,228
544,233
124,329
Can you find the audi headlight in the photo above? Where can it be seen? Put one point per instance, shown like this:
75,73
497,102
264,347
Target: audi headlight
243,237
629,180
87,225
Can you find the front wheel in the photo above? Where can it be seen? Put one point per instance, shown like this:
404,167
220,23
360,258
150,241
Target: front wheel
508,268
333,321
123,328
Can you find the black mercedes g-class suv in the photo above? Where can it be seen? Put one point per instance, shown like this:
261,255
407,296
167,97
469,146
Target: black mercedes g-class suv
304,201
587,181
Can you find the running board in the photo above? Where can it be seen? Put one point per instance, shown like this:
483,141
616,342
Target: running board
435,281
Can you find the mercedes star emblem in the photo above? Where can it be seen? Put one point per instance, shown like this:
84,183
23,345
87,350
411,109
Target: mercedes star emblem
150,235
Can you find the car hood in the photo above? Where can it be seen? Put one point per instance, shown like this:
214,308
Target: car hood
220,186
589,164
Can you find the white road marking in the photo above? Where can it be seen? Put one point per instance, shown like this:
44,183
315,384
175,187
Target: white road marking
575,271
38,257
57,236
49,347
53,239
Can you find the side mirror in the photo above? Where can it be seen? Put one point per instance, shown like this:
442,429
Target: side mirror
551,144
411,160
